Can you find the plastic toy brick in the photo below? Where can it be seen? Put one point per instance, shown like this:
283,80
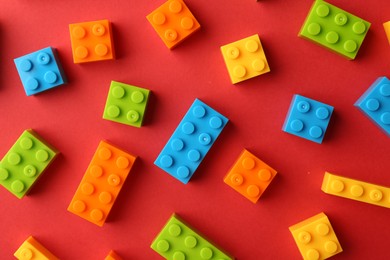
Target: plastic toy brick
191,141
92,41
315,238
25,162
31,249
386,25
335,29
40,71
375,103
308,118
245,59
177,240
250,176
173,22
113,256
101,183
356,190
126,104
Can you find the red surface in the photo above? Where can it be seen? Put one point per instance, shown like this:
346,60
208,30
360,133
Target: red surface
70,118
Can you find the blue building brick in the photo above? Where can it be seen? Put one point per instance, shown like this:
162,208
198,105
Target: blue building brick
375,103
191,141
40,71
307,118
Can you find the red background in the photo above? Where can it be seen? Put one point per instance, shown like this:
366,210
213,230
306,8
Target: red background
70,118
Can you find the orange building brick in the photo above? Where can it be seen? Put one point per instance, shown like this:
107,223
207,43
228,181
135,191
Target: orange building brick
101,183
113,256
173,22
31,249
92,41
250,176
386,25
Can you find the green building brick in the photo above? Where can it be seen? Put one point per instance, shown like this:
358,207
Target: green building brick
25,162
126,104
335,29
178,241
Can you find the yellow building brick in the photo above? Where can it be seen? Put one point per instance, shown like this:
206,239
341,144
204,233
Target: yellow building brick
356,190
245,59
315,238
31,249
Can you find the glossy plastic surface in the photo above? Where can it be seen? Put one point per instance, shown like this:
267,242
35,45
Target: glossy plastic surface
101,183
177,240
250,176
191,141
356,190
24,163
40,70
335,29
386,26
92,41
31,249
173,22
307,118
375,104
126,104
316,238
245,59
112,255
